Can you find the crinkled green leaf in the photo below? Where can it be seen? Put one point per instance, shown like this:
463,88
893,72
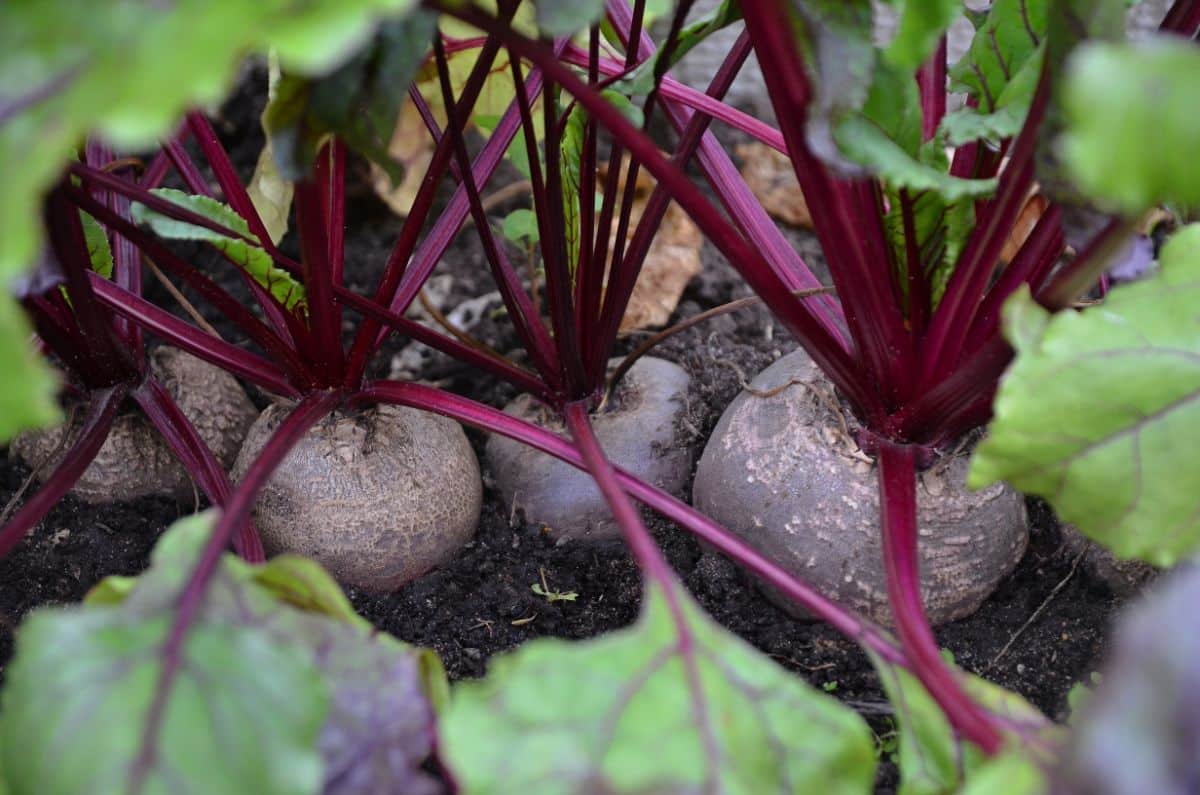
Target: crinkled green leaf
1138,731
359,102
270,697
249,256
27,397
567,17
1007,116
933,759
1132,125
99,249
1005,40
632,712
885,137
920,24
1100,412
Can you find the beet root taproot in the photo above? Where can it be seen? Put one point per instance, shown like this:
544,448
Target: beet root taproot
638,430
782,471
134,461
378,497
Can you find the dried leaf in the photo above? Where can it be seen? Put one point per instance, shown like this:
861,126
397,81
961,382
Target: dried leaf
1035,205
673,259
768,174
412,147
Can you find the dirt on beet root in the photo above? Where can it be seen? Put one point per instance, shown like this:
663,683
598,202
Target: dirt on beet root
1041,632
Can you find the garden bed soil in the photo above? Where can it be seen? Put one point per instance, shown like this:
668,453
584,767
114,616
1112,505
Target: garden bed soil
1044,629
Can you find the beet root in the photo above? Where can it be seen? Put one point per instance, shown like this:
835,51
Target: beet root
378,497
637,430
134,461
782,471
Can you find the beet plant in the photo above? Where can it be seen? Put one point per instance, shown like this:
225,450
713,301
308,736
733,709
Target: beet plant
208,673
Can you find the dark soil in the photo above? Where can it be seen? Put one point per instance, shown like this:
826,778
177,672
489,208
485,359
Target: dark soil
482,602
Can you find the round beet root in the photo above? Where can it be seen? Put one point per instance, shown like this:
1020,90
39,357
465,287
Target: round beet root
378,497
134,461
783,473
637,430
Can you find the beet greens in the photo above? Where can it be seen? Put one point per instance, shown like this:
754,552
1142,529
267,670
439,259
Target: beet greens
915,341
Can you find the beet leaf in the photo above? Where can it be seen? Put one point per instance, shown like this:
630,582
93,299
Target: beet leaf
1100,412
1137,732
277,691
253,259
584,716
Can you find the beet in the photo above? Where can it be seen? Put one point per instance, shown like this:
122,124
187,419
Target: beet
134,461
637,429
782,471
377,497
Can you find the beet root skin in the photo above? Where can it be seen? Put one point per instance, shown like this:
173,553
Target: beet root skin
377,497
781,471
638,433
134,461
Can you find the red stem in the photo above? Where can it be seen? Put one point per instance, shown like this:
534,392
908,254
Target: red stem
181,436
833,361
294,425
898,505
229,357
492,420
931,79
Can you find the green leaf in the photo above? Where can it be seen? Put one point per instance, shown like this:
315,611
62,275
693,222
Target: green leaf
99,249
302,583
520,226
633,712
127,70
641,80
1131,127
567,17
249,256
359,102
79,697
920,24
1011,773
112,590
1100,412
267,698
885,137
27,398
933,760
1007,116
1005,41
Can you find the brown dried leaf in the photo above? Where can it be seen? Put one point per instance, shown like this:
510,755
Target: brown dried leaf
412,147
1035,205
769,175
673,259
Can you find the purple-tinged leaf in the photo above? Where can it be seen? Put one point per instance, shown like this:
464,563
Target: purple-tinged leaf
1140,729
269,698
